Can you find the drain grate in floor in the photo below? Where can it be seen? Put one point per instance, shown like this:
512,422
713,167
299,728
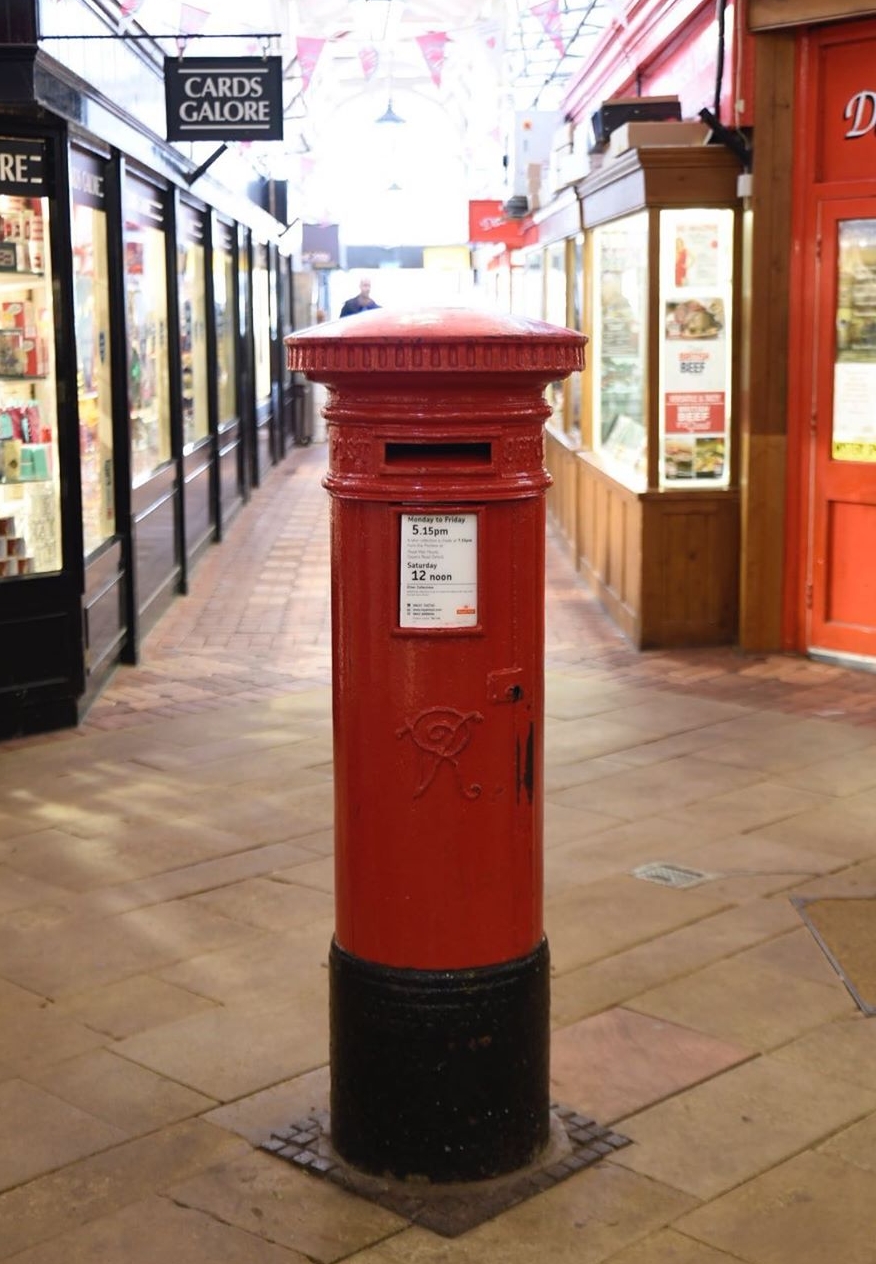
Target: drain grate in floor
576,1142
669,875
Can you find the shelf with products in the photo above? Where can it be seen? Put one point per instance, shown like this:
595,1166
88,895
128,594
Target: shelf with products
30,531
15,279
24,345
29,528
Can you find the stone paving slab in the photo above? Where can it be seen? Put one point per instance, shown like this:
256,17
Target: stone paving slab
856,1144
270,1199
132,1005
292,964
89,1189
258,1115
811,1209
154,1232
36,1035
623,975
730,1129
129,1097
228,1052
75,955
744,1001
39,1132
618,1062
842,826
845,1050
659,787
601,918
267,904
670,1247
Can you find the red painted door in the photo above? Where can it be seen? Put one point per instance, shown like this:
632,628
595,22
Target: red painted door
841,548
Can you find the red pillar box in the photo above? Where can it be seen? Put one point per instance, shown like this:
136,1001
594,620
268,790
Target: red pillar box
439,964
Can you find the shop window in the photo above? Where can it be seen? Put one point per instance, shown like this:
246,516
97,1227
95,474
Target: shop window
262,316
618,348
224,312
556,313
854,370
529,289
93,362
30,521
191,265
148,372
575,320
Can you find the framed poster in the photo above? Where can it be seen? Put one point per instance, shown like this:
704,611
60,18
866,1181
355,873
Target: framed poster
438,583
696,258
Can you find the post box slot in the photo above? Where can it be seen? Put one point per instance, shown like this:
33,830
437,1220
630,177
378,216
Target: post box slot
419,454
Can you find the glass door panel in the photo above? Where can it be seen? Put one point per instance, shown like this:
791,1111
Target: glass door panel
148,370
191,278
225,316
853,430
262,315
93,363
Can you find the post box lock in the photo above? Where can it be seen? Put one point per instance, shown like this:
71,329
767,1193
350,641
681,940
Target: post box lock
505,685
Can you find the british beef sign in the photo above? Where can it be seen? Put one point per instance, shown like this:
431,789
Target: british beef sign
214,98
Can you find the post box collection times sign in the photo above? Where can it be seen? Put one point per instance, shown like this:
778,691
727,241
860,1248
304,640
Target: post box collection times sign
439,571
224,99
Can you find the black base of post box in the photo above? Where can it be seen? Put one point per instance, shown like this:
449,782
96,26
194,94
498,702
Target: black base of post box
441,1074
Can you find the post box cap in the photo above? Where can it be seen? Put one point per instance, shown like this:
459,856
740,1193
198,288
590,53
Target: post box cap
435,339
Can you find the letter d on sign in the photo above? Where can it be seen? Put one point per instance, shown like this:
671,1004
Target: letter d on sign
861,108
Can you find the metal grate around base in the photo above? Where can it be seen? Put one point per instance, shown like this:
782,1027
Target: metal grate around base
576,1142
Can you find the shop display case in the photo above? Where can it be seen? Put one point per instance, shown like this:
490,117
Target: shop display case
617,349
30,518
658,508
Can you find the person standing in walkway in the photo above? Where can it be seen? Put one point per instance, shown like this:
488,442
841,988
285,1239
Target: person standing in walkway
361,302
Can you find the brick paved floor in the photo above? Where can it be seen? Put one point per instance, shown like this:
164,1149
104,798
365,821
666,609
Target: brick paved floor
256,624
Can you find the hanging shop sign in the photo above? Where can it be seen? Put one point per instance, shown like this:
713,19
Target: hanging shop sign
21,167
87,182
224,99
487,222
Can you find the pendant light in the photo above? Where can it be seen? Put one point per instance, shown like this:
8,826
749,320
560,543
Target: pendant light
389,115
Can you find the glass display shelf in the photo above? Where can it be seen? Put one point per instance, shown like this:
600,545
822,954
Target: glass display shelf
30,525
